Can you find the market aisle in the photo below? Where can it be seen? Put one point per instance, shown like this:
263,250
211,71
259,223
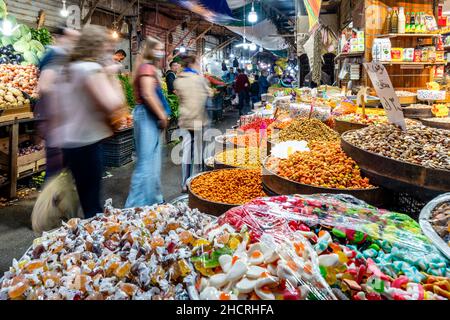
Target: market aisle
15,224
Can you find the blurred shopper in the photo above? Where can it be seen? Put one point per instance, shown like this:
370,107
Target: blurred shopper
46,109
242,87
255,96
224,66
171,75
193,90
263,83
235,63
91,106
150,118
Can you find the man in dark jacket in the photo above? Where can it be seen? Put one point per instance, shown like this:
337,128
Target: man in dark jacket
171,75
242,87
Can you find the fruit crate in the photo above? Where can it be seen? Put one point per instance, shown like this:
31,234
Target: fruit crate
117,154
121,136
27,164
31,168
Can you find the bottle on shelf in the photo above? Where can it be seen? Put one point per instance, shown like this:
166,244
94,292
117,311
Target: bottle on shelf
408,23
388,22
412,23
394,21
401,21
417,23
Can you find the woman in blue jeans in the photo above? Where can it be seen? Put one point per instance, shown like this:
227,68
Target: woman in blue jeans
150,116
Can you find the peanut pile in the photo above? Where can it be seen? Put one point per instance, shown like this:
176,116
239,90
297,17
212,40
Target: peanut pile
236,186
326,165
248,158
308,130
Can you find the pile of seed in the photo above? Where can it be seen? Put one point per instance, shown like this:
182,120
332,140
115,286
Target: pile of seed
421,145
440,220
248,158
308,130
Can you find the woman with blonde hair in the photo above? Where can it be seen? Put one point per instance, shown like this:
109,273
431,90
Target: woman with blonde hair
90,108
150,117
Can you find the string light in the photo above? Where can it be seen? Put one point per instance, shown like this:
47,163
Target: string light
64,13
252,15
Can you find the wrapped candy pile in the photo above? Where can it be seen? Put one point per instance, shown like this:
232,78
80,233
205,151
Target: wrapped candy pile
140,253
363,253
315,247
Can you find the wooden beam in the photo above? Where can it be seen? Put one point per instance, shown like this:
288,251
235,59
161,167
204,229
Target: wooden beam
122,14
90,12
193,40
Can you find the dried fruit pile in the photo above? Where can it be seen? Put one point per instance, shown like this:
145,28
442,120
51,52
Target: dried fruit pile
248,158
418,145
368,119
247,140
233,186
308,130
325,165
139,253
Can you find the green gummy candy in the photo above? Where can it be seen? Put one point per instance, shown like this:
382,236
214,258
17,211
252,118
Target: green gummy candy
374,246
338,233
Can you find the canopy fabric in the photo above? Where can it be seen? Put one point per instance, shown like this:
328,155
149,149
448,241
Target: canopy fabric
216,11
313,10
259,34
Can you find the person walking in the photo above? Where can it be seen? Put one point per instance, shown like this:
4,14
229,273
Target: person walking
263,84
193,91
91,107
171,75
255,96
242,87
150,117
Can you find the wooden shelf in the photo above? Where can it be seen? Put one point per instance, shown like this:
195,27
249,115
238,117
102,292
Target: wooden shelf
411,35
413,63
349,55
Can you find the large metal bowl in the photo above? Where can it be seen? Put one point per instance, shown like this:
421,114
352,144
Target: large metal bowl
421,182
282,186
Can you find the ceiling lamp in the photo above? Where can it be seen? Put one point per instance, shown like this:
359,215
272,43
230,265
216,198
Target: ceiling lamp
231,56
182,49
115,35
252,15
64,13
253,47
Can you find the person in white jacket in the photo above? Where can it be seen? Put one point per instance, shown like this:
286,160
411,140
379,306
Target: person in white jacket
193,90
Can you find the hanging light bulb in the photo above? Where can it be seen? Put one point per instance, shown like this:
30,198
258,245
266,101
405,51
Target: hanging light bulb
252,15
115,35
182,49
7,28
64,13
231,56
253,47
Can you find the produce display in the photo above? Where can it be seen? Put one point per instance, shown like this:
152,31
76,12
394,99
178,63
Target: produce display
11,98
308,130
248,158
418,145
364,253
325,165
24,78
42,35
9,55
440,220
27,147
128,90
140,254
235,186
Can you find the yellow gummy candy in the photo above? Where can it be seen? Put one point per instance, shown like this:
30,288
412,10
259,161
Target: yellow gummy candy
233,243
184,267
342,257
201,242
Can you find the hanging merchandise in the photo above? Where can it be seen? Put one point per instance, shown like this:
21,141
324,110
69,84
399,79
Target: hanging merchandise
317,58
313,9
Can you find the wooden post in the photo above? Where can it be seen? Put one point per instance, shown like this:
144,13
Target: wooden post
13,154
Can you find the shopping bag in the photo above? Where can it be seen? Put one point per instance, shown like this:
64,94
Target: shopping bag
235,101
57,202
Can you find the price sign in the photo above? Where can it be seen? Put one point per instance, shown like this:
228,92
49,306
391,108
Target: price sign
385,91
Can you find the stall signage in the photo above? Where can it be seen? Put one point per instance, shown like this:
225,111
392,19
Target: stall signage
385,91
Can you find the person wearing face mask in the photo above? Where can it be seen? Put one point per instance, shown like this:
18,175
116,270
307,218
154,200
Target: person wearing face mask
90,108
150,117
193,91
46,110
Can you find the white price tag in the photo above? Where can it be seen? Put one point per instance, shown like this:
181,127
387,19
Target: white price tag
385,91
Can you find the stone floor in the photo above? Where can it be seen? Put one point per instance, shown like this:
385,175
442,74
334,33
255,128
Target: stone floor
15,224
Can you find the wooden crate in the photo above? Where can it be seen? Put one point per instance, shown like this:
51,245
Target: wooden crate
24,163
4,142
31,168
15,111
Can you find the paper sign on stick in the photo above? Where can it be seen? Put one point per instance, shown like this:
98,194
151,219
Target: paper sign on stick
385,91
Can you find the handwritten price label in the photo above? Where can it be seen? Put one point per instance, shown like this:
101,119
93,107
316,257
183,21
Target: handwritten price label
385,91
